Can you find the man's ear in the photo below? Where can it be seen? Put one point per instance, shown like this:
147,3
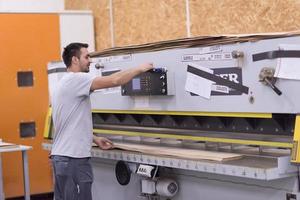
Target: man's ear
75,60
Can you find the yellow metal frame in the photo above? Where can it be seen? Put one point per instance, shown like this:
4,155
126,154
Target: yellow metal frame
48,124
295,150
208,114
195,138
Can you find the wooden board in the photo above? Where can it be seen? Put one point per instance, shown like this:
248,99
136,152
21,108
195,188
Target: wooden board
178,152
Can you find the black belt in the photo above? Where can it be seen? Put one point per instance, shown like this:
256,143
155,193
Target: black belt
276,54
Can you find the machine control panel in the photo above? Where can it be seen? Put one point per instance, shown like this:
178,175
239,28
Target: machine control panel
152,82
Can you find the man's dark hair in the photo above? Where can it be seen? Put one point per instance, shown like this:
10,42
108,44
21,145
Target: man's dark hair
71,50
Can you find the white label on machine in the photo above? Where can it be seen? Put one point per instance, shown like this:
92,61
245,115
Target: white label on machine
220,88
210,49
198,85
111,59
145,170
288,68
207,57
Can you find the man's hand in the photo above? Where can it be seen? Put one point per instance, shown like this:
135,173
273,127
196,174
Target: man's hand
103,143
146,66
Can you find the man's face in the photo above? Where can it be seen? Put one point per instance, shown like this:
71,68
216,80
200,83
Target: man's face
84,60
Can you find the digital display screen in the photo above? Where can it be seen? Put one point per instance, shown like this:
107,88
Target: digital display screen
136,84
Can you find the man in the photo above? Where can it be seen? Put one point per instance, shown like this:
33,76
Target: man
73,126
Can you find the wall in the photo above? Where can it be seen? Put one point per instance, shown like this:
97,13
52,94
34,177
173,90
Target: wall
32,33
127,22
27,47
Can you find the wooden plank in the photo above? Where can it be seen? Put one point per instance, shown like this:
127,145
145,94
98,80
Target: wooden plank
178,152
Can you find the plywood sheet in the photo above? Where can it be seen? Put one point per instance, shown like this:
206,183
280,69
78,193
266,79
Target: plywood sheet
178,152
100,11
143,21
209,17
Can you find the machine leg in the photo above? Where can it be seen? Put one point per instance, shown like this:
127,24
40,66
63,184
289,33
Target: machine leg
26,175
1,181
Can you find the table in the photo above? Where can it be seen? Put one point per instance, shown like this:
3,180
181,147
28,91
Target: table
23,149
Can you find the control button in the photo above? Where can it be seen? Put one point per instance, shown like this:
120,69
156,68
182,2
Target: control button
99,66
162,77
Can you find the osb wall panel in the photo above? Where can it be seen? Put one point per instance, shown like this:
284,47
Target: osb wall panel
100,9
143,21
239,16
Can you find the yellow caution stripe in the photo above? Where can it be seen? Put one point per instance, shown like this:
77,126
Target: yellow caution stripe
195,138
184,113
296,145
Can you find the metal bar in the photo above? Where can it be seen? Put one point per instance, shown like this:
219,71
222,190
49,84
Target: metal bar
2,196
196,138
268,137
254,167
215,114
276,54
26,175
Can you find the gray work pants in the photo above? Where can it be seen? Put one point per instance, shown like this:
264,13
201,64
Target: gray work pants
73,178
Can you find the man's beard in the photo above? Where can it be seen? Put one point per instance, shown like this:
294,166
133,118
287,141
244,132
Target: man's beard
86,69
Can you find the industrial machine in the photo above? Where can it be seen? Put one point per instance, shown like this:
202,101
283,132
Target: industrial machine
234,93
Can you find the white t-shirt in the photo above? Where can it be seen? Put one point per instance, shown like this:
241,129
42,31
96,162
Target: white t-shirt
72,116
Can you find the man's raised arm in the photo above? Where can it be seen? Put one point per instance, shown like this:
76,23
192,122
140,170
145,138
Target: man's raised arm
119,78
